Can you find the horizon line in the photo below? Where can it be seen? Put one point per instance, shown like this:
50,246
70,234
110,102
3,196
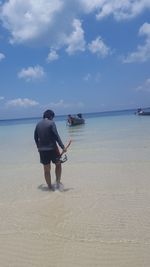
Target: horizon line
62,115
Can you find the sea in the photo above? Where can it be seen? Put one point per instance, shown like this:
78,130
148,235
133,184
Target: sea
111,136
101,216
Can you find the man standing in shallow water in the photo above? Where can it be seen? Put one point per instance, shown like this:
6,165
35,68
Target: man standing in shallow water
46,138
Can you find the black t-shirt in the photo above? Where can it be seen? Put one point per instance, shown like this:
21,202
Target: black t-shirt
46,135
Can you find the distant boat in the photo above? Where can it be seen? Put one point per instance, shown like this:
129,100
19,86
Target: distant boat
141,112
75,120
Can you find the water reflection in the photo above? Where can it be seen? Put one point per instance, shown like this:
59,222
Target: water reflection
77,133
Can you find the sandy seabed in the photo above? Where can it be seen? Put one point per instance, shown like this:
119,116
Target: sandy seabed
102,218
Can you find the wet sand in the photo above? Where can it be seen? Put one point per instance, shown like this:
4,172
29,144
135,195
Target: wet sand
102,218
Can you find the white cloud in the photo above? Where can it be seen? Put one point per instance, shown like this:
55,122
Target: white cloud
21,102
144,87
2,97
31,20
145,30
2,56
40,22
98,47
27,20
32,73
94,78
52,56
76,40
121,10
87,77
142,53
61,104
56,23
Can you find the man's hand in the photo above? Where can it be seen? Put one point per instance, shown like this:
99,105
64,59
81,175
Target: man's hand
64,150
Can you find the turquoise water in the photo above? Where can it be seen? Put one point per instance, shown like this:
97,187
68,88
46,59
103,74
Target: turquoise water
105,137
114,139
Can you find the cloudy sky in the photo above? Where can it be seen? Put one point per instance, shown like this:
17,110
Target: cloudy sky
73,56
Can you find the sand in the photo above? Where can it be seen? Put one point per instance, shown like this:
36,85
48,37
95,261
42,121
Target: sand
102,218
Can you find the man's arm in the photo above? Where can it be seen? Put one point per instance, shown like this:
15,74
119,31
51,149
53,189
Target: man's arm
57,137
36,136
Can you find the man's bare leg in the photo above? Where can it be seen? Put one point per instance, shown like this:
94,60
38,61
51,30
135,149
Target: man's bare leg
58,170
47,175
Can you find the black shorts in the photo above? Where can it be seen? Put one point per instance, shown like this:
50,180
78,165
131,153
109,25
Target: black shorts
50,155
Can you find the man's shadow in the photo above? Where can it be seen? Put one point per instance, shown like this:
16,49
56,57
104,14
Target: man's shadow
45,188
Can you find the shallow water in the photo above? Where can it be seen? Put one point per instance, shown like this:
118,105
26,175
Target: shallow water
103,138
119,139
101,219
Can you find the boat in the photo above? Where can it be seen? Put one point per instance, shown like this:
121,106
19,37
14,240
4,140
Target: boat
75,120
141,112
144,113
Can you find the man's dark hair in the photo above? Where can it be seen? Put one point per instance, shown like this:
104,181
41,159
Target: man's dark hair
49,114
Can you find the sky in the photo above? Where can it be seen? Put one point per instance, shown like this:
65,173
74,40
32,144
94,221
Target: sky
73,56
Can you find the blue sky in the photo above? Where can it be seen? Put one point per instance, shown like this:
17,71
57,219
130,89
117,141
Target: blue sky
73,56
